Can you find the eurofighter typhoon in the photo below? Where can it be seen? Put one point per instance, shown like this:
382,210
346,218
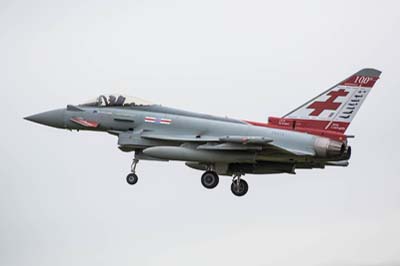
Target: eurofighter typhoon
311,136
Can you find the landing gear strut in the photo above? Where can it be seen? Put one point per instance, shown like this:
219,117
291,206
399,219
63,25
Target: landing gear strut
210,179
239,186
132,178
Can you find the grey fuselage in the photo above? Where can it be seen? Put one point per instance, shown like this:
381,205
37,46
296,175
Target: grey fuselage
161,133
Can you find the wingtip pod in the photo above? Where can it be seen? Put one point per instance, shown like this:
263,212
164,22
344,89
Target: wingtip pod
365,78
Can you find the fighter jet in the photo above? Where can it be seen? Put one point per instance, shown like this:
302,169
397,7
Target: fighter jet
311,136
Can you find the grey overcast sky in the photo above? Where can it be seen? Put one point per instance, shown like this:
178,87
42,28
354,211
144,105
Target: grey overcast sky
63,196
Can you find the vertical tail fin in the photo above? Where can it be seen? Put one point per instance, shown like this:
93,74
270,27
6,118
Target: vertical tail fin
333,110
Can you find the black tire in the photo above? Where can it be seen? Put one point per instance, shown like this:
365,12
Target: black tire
132,179
210,179
240,189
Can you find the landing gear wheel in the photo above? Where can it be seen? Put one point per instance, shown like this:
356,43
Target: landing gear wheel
132,179
210,180
239,187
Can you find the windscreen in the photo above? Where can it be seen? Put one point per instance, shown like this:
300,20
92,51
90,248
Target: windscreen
116,100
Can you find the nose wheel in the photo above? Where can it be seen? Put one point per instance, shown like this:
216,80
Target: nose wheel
132,178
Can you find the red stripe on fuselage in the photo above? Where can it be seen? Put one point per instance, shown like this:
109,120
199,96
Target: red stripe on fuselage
85,123
333,130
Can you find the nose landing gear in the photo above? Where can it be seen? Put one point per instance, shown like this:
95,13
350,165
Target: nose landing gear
132,178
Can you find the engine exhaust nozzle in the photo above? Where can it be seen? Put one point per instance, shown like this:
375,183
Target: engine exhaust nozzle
325,147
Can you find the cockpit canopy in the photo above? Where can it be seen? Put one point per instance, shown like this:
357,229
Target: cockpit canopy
116,100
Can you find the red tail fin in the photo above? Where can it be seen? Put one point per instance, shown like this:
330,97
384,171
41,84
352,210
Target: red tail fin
330,113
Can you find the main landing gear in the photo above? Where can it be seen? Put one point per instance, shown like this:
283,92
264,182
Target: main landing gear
210,179
132,178
239,187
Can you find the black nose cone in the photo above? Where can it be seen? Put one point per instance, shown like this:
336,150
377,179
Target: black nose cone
53,118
